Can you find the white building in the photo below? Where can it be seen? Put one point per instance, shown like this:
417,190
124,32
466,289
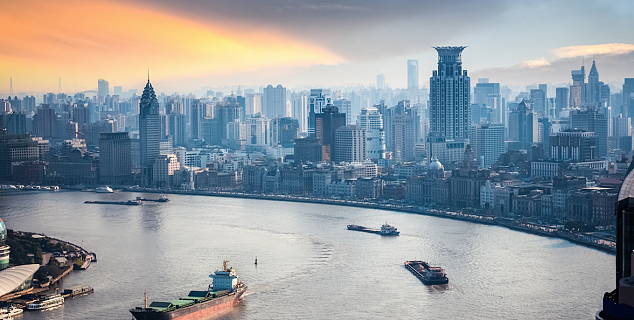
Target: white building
370,119
343,189
321,181
258,130
163,168
350,144
489,143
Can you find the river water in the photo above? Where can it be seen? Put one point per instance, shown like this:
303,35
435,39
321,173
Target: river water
309,265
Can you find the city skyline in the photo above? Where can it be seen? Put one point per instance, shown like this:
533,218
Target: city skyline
289,43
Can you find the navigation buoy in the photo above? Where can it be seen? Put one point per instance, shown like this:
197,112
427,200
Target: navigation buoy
256,260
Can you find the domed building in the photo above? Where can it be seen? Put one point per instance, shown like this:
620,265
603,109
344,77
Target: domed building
436,169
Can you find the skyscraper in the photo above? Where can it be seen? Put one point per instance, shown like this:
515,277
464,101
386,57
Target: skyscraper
489,143
371,120
523,126
115,164
344,106
412,75
103,90
578,88
449,97
628,97
326,123
562,98
318,99
274,102
149,130
591,120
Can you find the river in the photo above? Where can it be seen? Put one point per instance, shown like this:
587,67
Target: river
309,265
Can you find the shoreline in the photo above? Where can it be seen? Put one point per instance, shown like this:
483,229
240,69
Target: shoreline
527,227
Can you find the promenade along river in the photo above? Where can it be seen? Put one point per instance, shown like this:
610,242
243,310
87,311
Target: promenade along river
309,265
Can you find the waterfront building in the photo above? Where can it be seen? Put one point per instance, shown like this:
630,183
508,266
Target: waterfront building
593,206
115,164
343,189
447,151
149,131
321,181
465,182
15,149
163,169
449,97
369,188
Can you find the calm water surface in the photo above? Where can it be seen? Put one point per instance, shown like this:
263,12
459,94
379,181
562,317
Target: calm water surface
309,265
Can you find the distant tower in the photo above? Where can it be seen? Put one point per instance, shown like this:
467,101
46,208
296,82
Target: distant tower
412,75
10,86
59,89
380,81
449,109
149,129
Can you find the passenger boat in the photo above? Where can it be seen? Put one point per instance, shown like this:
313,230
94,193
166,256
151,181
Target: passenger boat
105,189
46,302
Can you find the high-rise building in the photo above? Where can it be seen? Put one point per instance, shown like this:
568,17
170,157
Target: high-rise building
345,107
402,123
326,123
176,129
307,150
318,99
523,126
274,102
628,97
103,90
591,120
115,163
597,92
489,143
573,145
449,97
258,130
621,127
412,75
149,130
578,88
45,122
284,131
538,96
350,142
380,81
562,97
371,120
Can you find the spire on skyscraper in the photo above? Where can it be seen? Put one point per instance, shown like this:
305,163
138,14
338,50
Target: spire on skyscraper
593,70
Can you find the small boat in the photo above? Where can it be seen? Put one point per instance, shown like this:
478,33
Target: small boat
427,274
46,302
15,311
388,230
104,189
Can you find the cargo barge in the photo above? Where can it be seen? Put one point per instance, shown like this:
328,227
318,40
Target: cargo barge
126,203
386,229
427,274
162,198
223,293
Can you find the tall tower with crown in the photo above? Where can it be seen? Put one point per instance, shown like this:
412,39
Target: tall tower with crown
149,130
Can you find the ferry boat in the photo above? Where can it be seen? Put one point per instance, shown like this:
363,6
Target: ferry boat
223,293
105,189
46,302
427,274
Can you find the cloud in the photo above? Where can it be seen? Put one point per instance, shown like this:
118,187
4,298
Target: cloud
611,67
85,40
531,64
608,48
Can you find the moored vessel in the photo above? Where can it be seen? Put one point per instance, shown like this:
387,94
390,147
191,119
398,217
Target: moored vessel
76,291
427,274
105,189
46,302
223,293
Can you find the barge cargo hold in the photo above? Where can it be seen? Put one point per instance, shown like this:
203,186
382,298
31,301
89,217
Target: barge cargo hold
386,229
427,274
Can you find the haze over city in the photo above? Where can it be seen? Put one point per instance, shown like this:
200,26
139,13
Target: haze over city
189,44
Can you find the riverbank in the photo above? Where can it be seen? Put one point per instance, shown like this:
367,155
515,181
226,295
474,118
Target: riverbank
585,239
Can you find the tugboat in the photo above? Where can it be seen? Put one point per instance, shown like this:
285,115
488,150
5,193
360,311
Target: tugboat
223,293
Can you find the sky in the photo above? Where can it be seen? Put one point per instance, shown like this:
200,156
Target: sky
188,44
